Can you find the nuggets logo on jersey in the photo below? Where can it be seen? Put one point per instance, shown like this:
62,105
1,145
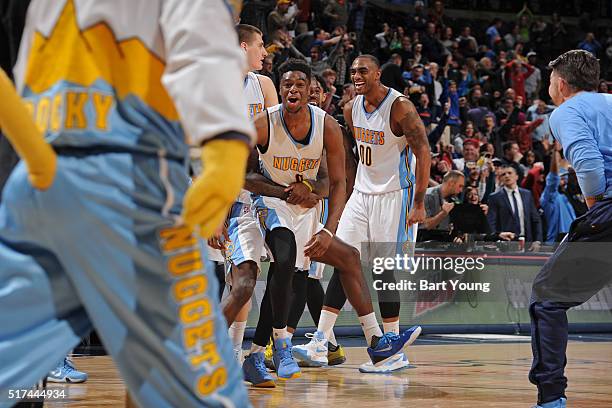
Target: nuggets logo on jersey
254,109
375,137
295,164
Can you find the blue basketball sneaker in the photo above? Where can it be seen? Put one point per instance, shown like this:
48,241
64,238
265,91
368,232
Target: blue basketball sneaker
66,372
256,373
390,344
560,403
286,367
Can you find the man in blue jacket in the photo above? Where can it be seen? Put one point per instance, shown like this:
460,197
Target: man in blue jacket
558,210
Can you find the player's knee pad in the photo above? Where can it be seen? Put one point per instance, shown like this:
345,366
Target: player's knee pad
314,289
299,284
281,242
335,297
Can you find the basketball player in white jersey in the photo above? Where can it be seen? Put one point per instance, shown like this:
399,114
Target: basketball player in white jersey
290,139
307,287
387,201
245,244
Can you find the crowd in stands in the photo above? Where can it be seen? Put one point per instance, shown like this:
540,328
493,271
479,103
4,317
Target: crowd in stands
480,87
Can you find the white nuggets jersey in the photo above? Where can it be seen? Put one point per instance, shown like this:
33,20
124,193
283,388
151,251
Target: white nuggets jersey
286,160
386,162
255,104
254,94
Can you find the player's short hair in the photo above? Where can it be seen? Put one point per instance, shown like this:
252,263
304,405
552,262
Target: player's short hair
452,175
507,166
294,64
246,32
321,82
372,58
579,68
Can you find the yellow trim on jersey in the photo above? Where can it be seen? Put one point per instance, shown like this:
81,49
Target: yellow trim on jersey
83,57
408,207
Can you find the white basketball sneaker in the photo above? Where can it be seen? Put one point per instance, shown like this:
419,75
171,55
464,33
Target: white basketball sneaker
313,354
398,362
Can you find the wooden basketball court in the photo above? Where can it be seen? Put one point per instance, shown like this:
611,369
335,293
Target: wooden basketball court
446,375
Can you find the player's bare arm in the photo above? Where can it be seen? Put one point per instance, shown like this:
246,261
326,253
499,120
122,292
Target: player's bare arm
406,121
348,137
269,91
332,140
350,163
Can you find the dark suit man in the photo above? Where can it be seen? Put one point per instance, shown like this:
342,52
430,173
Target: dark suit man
513,209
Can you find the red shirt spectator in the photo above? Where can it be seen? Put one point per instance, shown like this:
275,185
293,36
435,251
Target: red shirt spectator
535,183
521,132
518,76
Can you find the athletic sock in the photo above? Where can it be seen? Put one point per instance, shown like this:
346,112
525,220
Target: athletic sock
391,327
332,341
280,333
326,323
236,334
370,326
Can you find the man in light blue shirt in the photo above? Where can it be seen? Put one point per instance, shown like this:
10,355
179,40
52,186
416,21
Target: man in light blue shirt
581,265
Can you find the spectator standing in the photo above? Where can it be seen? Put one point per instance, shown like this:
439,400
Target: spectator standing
512,209
282,18
558,210
336,13
533,82
511,157
519,72
541,135
493,35
590,44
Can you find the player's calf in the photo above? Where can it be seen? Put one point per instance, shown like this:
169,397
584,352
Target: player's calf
244,278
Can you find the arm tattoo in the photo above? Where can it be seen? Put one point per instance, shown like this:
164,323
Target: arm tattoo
415,134
414,130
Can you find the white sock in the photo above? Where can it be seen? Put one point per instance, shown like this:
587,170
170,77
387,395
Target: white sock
391,327
370,327
332,339
236,334
280,333
257,349
326,323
